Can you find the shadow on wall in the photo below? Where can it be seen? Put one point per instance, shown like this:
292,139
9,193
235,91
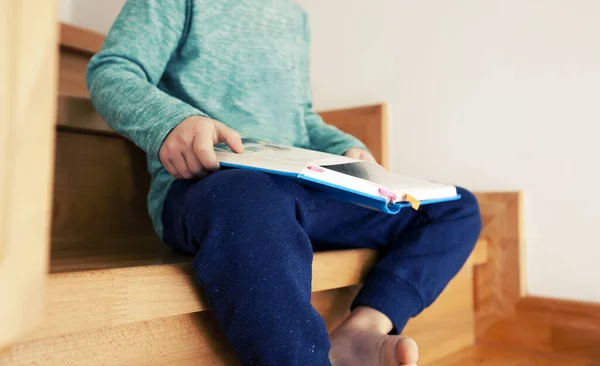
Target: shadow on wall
93,14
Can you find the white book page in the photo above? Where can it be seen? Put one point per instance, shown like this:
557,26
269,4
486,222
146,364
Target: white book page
366,170
343,180
368,177
269,156
357,175
420,189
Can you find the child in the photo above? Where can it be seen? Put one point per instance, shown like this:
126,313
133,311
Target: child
177,77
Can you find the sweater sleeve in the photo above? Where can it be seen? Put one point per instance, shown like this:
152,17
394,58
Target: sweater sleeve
122,78
323,137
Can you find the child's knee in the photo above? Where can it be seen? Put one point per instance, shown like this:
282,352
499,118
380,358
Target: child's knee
470,211
468,202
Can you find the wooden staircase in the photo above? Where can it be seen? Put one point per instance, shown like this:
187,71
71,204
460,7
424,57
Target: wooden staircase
117,296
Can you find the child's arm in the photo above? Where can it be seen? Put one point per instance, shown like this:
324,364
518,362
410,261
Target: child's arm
324,137
122,80
328,138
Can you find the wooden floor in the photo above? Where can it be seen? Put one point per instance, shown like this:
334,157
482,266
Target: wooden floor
488,356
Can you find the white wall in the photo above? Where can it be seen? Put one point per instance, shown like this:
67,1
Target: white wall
96,15
518,80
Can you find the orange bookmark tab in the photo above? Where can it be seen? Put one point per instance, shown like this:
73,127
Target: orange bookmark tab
415,203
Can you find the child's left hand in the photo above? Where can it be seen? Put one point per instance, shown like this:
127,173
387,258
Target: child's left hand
361,154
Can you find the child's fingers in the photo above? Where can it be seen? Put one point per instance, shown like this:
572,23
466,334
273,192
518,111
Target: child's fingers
204,150
368,157
166,162
230,137
193,164
171,168
179,162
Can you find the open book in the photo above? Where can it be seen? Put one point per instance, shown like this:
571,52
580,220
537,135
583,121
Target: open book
356,181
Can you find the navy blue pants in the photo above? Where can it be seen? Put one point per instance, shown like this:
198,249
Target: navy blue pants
253,236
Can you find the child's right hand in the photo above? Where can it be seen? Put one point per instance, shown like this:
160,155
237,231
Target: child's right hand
188,151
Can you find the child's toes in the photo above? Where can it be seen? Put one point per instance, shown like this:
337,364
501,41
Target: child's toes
407,351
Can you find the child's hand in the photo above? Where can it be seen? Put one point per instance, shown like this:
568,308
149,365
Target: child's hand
188,151
361,154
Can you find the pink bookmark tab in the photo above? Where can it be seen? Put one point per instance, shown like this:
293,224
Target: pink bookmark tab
315,168
387,194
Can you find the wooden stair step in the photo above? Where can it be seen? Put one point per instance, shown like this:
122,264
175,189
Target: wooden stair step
78,113
109,317
88,299
108,289
91,260
186,339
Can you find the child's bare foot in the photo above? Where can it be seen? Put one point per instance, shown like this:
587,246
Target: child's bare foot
362,340
368,348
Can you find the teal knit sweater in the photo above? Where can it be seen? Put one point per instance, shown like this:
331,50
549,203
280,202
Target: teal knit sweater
242,62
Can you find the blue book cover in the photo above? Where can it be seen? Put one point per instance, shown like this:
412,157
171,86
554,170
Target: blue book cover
356,181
